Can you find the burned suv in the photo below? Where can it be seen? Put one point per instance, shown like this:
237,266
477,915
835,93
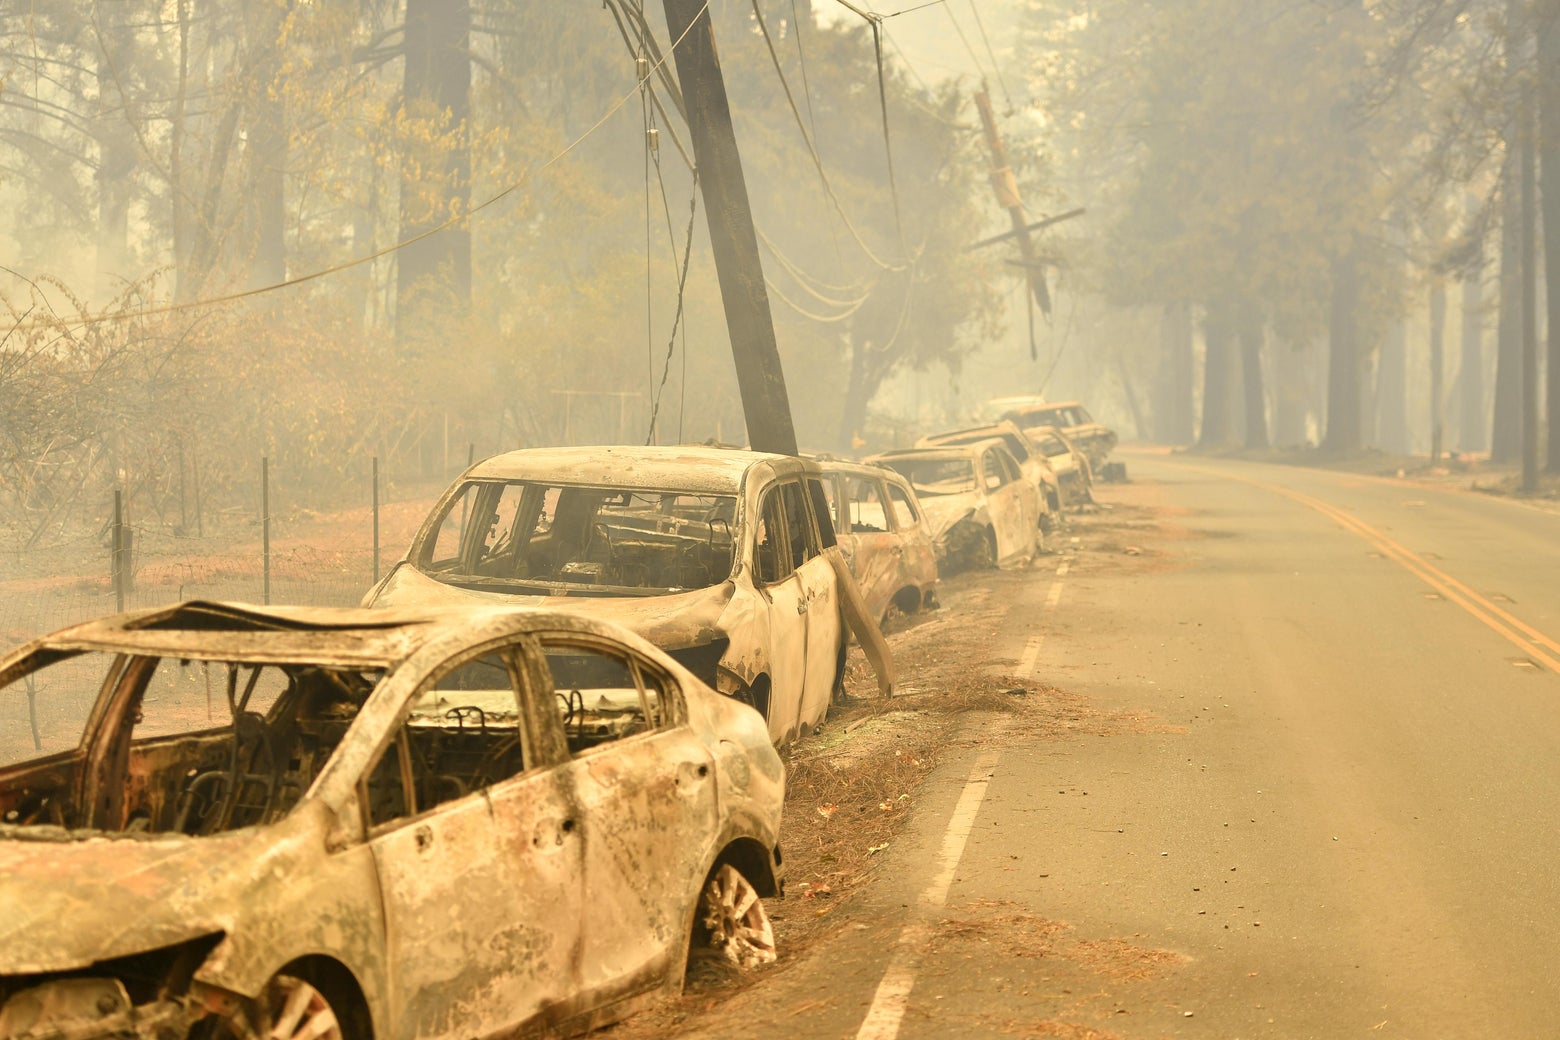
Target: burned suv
715,555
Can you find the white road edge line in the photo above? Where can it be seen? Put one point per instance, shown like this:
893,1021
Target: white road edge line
1029,660
893,992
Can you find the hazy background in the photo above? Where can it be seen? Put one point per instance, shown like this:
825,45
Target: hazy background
1303,228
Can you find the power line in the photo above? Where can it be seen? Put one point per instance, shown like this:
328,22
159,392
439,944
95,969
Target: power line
812,149
175,308
995,67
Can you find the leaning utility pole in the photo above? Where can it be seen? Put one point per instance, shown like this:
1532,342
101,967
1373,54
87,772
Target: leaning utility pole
1006,186
732,238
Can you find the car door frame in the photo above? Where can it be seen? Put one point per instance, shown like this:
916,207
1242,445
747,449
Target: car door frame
784,600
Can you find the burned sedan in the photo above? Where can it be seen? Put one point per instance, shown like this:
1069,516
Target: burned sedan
718,556
883,532
232,822
981,509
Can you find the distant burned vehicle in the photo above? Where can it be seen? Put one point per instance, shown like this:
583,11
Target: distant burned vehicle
270,824
981,510
1071,418
1074,473
714,555
883,534
1034,464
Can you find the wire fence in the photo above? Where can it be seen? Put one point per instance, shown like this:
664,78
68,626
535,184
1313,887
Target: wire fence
283,550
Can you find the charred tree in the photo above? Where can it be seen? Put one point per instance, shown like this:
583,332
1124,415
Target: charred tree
1548,32
1344,414
1471,431
436,178
1437,365
1392,390
1218,418
1506,426
266,147
1174,420
1251,339
115,145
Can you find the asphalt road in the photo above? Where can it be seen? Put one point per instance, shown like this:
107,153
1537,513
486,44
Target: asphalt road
1310,789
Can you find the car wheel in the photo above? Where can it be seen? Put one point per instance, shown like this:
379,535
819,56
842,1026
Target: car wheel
288,1009
985,557
732,921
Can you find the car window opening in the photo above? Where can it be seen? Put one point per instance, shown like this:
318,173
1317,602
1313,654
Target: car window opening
567,538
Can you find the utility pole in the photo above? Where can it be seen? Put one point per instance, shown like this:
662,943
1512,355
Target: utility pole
1006,186
732,238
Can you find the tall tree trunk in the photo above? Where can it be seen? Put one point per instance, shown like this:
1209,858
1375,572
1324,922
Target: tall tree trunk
1392,391
1470,379
116,149
1437,365
265,151
1218,418
435,185
1251,337
1344,414
1506,429
1173,412
1292,400
1549,192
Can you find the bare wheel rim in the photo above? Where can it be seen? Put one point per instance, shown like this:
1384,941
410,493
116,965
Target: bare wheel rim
289,1009
736,921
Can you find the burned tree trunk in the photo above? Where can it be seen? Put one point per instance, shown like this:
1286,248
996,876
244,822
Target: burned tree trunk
1344,414
1392,390
1506,428
1549,192
436,182
1173,414
266,149
1471,431
1218,419
1251,339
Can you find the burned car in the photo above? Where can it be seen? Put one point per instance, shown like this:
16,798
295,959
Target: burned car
980,508
718,556
336,824
1033,462
883,534
1094,439
1074,473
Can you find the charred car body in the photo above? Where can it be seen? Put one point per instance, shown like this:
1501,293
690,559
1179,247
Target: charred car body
981,509
715,555
883,533
1074,474
1094,439
254,823
1031,461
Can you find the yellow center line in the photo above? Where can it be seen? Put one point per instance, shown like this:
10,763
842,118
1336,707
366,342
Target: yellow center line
1523,636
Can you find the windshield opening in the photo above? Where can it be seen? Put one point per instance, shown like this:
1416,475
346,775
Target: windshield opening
932,477
615,540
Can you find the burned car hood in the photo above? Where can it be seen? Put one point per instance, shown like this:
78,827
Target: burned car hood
943,511
671,622
70,900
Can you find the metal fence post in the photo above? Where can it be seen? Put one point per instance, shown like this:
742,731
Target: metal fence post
116,551
376,519
265,527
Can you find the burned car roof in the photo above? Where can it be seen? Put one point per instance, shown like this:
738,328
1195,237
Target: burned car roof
348,636
963,450
655,466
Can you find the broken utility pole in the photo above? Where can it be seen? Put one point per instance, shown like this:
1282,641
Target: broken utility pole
1006,186
732,238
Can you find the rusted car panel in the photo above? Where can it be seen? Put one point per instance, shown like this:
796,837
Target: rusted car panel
883,534
429,831
981,510
1094,439
716,555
